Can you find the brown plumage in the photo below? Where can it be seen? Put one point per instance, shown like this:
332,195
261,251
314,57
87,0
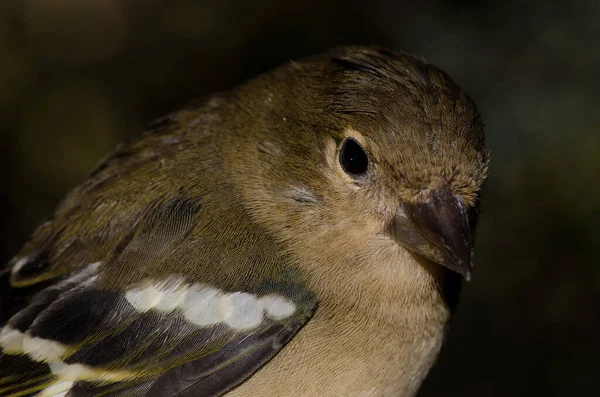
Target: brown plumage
249,192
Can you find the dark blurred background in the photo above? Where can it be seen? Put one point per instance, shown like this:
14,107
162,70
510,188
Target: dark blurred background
77,77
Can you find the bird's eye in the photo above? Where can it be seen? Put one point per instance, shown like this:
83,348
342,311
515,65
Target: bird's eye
353,158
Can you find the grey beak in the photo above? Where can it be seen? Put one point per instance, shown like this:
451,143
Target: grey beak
437,230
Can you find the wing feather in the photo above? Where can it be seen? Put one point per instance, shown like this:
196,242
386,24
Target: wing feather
148,288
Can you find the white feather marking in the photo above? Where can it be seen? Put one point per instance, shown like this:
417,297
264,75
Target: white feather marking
75,372
277,307
206,306
72,372
243,310
144,299
200,305
11,340
92,267
172,297
224,307
19,264
44,350
59,389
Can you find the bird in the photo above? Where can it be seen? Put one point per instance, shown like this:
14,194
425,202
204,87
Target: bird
306,233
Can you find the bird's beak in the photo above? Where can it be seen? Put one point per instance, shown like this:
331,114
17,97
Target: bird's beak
437,229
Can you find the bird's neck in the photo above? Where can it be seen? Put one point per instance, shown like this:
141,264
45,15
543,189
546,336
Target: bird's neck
379,330
383,358
347,353
385,335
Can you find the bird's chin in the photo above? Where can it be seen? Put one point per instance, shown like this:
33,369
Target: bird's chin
429,255
448,282
432,263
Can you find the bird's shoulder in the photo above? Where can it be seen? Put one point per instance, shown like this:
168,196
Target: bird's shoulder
152,286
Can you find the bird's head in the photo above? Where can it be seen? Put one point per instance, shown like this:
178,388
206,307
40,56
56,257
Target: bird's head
367,156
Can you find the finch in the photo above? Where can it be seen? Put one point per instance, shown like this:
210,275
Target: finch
305,234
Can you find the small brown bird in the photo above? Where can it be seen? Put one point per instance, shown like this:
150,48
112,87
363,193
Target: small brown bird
302,235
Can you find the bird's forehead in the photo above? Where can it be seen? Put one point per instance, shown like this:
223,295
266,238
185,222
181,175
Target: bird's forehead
416,123
428,128
394,99
419,152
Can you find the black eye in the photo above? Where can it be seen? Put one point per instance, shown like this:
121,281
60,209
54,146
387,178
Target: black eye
353,158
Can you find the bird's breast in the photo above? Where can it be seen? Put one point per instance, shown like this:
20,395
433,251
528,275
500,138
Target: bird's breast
342,355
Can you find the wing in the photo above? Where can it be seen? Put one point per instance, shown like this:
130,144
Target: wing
148,288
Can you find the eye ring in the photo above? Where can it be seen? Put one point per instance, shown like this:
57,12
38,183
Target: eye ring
353,158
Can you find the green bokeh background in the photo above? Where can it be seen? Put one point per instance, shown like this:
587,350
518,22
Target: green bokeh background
78,77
